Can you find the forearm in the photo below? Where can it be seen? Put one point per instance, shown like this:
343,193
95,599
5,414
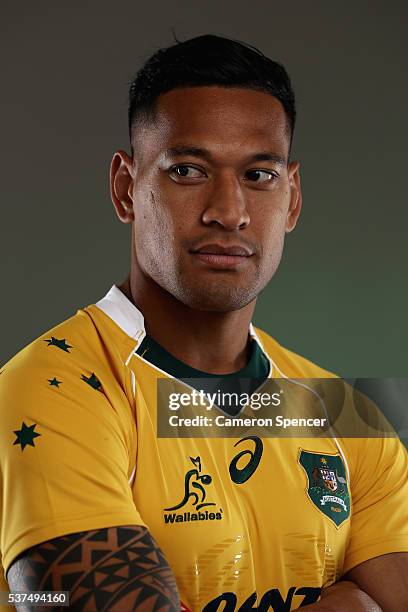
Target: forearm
344,596
119,568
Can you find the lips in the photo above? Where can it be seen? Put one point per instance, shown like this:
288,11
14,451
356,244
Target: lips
218,249
222,257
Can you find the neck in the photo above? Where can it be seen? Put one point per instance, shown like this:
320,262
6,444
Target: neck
213,342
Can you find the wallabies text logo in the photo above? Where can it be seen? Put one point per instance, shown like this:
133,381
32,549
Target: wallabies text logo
194,499
327,484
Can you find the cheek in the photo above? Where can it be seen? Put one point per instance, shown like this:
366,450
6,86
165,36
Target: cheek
150,214
270,227
272,233
155,227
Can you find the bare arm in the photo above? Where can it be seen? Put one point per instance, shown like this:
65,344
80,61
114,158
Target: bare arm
385,579
119,568
344,596
375,585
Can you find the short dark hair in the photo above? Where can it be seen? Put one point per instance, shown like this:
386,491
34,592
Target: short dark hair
204,61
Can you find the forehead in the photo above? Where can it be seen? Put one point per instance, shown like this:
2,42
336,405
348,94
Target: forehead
227,120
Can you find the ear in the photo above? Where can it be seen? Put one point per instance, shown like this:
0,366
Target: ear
121,185
295,196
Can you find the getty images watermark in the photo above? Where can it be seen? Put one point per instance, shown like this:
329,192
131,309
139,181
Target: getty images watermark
217,407
227,400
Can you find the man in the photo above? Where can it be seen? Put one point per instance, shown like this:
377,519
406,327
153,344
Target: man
93,501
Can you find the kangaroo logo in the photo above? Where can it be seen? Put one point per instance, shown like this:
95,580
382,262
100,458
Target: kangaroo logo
194,483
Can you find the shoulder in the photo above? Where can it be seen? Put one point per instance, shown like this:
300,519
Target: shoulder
71,387
287,363
50,371
78,363
73,340
89,338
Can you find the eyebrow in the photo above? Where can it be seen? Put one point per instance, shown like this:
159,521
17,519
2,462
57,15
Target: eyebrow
205,154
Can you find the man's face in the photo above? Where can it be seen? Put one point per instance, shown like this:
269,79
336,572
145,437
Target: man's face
213,195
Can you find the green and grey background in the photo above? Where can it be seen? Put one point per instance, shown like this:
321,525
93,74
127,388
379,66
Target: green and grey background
340,297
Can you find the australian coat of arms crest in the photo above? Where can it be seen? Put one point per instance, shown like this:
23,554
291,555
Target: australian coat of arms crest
327,484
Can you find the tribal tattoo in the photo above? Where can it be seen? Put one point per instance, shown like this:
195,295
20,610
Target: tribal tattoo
119,569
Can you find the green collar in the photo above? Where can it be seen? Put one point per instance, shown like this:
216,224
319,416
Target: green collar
154,353
246,380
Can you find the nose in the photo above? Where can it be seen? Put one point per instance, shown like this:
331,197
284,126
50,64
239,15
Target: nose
226,204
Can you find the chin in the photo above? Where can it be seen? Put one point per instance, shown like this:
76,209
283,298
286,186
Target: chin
220,299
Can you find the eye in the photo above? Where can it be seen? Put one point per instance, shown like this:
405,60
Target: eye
261,176
183,171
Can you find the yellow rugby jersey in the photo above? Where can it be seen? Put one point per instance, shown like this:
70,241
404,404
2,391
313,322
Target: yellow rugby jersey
237,519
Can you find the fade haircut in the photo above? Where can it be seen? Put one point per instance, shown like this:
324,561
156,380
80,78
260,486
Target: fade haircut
204,61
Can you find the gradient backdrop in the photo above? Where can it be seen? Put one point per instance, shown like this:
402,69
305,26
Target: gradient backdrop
341,295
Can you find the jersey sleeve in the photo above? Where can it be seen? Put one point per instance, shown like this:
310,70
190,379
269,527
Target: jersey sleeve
379,488
66,435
